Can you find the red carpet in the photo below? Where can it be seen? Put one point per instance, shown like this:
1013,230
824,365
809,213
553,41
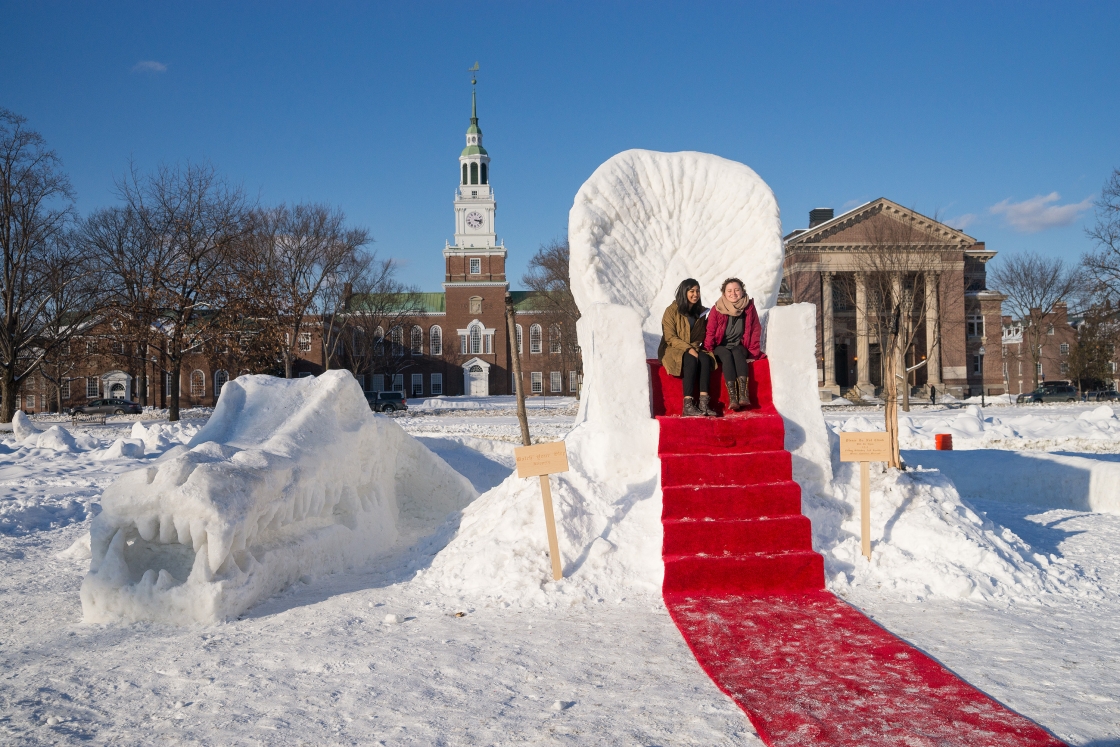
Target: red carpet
747,592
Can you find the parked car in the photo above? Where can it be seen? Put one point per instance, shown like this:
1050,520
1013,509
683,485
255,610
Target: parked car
1051,393
1105,395
386,401
108,407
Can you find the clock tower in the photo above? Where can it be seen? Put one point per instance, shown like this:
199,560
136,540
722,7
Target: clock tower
474,282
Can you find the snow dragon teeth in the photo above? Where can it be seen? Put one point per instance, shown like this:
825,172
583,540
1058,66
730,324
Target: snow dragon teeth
288,479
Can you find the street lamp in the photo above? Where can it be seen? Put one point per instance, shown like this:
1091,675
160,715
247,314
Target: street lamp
982,351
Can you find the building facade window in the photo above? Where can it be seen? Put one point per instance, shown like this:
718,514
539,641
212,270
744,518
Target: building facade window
1064,348
198,384
535,338
520,343
1049,329
1038,368
537,386
91,388
476,339
476,304
167,384
379,341
476,269
1112,366
554,342
221,376
396,340
1065,368
378,383
398,383
417,341
30,402
64,389
474,173
556,382
437,384
417,384
435,341
975,325
573,381
1005,369
464,173
975,364
305,342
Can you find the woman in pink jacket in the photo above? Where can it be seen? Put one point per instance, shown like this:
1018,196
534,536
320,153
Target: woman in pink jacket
734,335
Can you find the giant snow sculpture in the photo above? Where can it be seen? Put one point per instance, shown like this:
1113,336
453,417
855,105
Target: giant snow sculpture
639,225
288,479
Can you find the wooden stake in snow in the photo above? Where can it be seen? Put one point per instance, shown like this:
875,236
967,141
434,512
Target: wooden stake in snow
531,460
865,448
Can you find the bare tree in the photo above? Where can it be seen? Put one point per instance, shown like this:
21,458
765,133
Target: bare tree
549,278
40,268
197,224
1034,285
1103,265
1091,356
296,252
897,279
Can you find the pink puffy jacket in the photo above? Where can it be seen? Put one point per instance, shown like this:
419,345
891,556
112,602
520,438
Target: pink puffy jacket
752,331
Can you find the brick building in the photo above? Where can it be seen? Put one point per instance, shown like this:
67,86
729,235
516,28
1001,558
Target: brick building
1059,338
824,266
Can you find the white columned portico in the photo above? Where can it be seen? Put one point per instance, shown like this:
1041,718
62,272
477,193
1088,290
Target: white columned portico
476,378
933,336
116,385
863,342
828,343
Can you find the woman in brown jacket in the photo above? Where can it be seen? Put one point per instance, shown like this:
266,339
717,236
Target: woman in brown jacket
682,352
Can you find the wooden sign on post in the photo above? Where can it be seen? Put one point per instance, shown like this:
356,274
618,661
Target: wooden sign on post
865,448
541,461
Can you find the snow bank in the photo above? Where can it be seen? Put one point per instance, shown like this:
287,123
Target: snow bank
641,223
124,448
288,478
55,438
972,428
22,427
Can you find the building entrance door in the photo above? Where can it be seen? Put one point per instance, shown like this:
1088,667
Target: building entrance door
479,383
116,391
842,366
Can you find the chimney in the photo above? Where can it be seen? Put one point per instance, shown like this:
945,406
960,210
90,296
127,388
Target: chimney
818,216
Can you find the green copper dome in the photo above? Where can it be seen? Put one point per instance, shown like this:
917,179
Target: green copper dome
474,150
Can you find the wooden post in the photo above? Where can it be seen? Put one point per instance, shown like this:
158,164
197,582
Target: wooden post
518,388
550,525
865,508
865,448
541,461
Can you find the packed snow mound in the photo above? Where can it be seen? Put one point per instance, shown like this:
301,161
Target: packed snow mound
159,437
55,438
973,428
22,427
645,221
641,223
124,448
289,478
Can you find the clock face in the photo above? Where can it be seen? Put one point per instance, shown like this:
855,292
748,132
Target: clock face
474,220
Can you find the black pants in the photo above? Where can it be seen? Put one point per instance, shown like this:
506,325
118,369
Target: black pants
734,361
696,370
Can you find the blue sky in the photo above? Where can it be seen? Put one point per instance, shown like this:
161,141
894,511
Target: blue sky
1001,117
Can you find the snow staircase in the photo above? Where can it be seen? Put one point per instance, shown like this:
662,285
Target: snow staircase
731,510
746,590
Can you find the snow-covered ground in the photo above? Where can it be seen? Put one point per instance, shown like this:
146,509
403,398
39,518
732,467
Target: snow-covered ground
319,663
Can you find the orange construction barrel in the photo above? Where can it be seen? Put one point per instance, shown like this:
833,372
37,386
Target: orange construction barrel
943,441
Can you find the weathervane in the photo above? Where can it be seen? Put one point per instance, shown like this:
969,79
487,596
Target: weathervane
474,73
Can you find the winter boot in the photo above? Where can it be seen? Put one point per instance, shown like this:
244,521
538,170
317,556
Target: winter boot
689,410
704,406
744,393
732,396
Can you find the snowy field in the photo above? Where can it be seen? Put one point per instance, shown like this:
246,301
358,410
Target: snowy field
377,657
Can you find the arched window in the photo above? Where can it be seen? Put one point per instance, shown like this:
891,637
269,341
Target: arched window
554,338
396,340
198,384
520,343
379,341
435,341
220,379
417,341
474,173
476,304
476,339
535,338
464,173
484,175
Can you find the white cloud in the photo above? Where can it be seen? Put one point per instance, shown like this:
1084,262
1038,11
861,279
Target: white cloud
149,66
961,222
1040,213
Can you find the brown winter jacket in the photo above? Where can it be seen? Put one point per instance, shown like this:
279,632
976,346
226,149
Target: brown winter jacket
677,339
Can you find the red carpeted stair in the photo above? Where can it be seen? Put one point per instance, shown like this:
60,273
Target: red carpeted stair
747,591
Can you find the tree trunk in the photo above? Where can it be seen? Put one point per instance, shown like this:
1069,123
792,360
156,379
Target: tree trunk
890,407
7,397
176,373
288,363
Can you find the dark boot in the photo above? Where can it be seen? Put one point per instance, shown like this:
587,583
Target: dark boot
744,393
732,396
689,410
704,406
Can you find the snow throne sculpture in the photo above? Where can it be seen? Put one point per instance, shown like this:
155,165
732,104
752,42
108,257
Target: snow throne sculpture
287,479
